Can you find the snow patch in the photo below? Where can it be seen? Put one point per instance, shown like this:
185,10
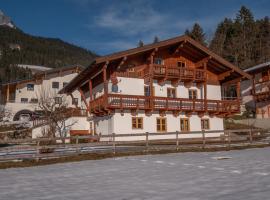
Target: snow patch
261,173
221,158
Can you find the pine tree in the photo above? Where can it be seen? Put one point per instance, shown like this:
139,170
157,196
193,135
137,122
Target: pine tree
156,39
197,34
140,43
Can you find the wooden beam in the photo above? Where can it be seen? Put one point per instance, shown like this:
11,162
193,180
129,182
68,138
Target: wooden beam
90,93
151,77
203,61
7,97
91,89
234,81
84,99
205,89
224,75
180,46
122,62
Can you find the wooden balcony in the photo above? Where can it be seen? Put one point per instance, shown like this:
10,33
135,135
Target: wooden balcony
167,73
132,102
261,96
183,74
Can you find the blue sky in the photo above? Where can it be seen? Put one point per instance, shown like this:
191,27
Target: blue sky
106,26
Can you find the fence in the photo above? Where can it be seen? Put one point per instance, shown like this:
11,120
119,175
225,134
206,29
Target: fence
52,147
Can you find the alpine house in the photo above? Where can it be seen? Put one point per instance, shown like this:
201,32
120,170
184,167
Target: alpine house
172,85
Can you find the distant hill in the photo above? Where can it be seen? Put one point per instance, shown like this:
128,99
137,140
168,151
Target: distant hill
17,47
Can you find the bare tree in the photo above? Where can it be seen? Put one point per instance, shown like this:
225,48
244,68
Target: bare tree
56,112
4,113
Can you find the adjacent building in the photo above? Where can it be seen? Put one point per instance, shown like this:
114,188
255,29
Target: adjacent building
173,85
21,97
256,92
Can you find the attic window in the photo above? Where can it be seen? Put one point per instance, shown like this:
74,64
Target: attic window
181,64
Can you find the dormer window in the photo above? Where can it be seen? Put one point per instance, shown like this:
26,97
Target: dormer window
158,61
181,64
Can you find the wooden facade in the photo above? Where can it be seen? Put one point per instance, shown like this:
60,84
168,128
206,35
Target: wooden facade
179,60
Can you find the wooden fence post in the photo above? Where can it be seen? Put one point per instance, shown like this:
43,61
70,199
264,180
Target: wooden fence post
250,136
177,140
37,148
203,138
146,141
77,143
114,146
229,139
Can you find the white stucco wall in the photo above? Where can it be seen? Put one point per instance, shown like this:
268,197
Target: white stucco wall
73,123
135,86
46,84
122,124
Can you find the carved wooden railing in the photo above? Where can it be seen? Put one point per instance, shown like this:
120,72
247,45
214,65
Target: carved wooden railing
118,101
170,72
261,96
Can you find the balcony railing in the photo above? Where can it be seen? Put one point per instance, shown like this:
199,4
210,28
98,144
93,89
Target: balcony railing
167,72
261,96
174,72
118,101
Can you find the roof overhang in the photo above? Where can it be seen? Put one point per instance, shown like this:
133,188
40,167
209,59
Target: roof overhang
177,41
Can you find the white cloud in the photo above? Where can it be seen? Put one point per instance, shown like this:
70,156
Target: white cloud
130,21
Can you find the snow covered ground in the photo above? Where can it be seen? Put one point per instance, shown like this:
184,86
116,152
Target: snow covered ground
230,175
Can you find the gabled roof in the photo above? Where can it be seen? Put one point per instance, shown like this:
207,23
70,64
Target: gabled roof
52,71
257,67
82,77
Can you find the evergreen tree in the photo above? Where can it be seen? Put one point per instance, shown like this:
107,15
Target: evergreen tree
156,39
243,41
197,34
140,43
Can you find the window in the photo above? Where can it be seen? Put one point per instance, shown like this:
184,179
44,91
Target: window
58,100
205,124
181,64
147,91
161,124
158,61
184,124
24,100
55,85
64,84
33,100
192,94
75,101
137,123
131,70
115,88
30,87
171,92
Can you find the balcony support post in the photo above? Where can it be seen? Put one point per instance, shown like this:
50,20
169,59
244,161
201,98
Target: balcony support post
7,96
151,69
84,99
105,83
205,87
90,94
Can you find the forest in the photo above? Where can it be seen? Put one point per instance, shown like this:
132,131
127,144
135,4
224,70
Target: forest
17,47
243,41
